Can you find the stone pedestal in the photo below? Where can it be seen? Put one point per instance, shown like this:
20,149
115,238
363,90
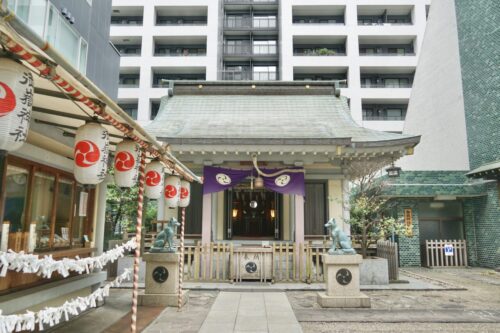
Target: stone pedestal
342,283
162,280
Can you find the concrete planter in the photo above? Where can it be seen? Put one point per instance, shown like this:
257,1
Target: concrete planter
374,270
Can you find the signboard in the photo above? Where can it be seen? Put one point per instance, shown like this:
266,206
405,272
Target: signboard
448,250
82,207
408,221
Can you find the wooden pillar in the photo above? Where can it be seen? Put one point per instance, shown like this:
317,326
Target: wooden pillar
206,220
346,205
299,219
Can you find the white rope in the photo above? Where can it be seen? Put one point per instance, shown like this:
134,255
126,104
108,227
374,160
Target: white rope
51,316
279,172
46,266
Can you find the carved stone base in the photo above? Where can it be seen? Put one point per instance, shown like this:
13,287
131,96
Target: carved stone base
360,301
162,280
162,299
342,283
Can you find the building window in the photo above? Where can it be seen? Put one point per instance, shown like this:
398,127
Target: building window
155,108
264,47
264,73
130,109
44,18
45,201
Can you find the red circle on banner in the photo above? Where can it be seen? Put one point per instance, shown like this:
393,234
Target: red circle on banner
184,192
86,153
124,161
153,178
170,191
7,102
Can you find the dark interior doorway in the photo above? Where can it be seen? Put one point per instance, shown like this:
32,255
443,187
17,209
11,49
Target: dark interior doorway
253,214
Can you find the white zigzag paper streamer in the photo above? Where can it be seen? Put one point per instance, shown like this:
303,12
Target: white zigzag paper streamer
51,316
31,263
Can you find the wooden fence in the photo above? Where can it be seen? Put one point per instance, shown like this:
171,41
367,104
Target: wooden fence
389,250
435,253
217,262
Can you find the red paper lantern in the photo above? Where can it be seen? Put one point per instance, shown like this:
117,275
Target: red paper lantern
91,154
154,180
185,195
127,160
16,102
172,191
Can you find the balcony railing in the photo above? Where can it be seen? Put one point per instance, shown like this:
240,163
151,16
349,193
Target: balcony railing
229,75
383,23
250,50
376,118
173,21
384,54
248,22
126,21
318,52
386,85
128,85
184,52
250,1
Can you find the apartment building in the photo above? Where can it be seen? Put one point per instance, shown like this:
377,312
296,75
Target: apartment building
371,45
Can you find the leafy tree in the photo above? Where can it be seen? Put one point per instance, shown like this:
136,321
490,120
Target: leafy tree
122,210
370,212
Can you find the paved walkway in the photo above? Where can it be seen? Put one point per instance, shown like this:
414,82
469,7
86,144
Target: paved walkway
251,312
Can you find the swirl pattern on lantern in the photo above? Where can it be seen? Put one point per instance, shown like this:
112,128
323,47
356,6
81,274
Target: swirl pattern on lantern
184,192
7,101
124,161
86,153
153,178
170,191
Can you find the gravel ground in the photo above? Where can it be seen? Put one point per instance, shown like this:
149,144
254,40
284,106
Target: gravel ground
399,328
483,292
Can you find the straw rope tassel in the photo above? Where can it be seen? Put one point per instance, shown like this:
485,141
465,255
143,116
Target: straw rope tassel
138,236
181,259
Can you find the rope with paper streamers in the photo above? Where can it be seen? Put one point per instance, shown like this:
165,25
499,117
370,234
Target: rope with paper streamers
51,316
45,267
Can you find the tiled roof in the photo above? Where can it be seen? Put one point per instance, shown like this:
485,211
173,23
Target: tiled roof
297,119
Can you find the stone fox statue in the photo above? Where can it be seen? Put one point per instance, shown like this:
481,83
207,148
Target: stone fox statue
164,242
339,236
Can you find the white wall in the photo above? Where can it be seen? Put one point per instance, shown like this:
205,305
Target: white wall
436,108
352,61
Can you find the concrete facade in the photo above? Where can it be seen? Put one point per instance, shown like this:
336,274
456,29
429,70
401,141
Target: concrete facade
454,104
143,97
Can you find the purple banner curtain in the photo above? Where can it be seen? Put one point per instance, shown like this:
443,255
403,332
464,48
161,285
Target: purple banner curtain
285,183
218,179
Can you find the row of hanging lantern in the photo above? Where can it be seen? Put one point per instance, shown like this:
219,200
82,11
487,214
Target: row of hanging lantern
91,159
91,148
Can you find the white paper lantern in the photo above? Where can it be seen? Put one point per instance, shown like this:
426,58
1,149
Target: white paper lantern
185,196
91,154
127,161
16,102
172,191
154,180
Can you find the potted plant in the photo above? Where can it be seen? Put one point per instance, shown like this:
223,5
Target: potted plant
325,52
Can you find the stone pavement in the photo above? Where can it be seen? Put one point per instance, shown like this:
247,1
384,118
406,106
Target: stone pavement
251,312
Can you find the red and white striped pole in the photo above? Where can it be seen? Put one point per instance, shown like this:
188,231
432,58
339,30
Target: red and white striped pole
138,236
181,259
